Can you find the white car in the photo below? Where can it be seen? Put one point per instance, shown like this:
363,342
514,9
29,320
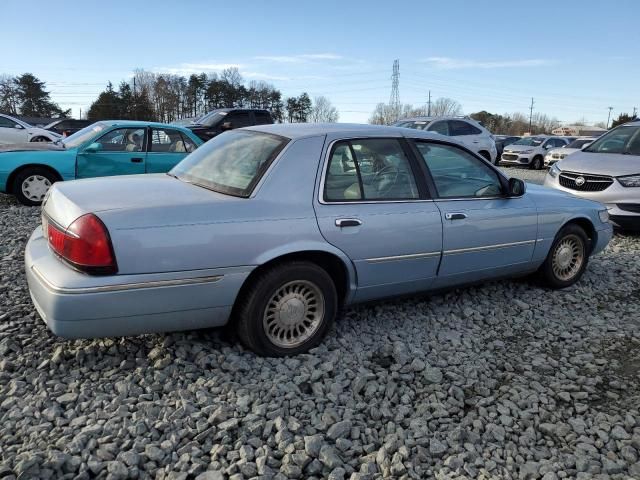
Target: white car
13,130
556,154
530,151
466,130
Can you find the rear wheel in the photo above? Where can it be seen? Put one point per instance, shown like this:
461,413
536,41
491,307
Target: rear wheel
536,163
287,309
40,139
567,258
31,185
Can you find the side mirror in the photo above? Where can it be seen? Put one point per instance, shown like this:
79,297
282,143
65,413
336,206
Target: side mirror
516,187
18,126
93,148
548,146
226,126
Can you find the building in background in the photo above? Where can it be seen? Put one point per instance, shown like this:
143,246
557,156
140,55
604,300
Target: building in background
579,131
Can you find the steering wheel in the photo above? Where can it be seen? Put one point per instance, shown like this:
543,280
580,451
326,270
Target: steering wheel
385,179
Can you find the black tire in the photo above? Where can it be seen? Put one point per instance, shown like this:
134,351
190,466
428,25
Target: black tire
23,175
536,163
251,307
40,139
547,271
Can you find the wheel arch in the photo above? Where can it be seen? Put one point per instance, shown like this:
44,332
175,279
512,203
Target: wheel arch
12,175
587,225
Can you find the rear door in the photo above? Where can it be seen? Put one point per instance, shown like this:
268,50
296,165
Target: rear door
484,232
121,151
373,205
167,147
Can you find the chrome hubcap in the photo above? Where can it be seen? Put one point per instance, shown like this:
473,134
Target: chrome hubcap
293,314
568,257
35,187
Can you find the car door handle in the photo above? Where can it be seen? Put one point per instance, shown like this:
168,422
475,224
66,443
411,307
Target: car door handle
348,222
455,216
137,159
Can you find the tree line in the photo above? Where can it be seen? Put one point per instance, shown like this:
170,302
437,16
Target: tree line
26,95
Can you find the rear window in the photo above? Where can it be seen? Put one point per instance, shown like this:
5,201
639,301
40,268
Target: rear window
231,163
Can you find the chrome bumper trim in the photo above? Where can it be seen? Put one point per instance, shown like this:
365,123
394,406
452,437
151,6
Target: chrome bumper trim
123,286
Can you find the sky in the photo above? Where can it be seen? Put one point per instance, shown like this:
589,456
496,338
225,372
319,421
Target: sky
574,58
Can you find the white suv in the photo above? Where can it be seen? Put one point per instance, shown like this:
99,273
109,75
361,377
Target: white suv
469,132
530,151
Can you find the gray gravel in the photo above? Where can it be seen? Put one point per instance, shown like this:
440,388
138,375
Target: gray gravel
507,380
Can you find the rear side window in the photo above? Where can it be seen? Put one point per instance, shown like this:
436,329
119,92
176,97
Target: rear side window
263,118
167,140
439,127
458,127
369,169
238,119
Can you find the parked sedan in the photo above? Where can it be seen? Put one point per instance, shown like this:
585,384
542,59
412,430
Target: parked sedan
104,148
556,154
14,131
276,227
607,171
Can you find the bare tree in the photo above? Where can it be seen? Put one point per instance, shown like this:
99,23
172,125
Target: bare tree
323,111
8,94
444,106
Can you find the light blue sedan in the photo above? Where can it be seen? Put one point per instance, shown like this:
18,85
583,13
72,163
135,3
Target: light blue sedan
276,227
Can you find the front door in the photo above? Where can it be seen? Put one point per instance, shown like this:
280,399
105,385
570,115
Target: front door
484,232
118,152
11,131
167,148
374,207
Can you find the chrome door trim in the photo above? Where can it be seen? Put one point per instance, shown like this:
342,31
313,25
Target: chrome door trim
487,247
411,256
124,286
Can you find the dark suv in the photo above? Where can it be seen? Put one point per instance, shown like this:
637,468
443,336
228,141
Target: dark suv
222,119
67,126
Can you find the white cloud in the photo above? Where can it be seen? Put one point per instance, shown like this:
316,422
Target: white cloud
447,63
189,68
264,76
298,58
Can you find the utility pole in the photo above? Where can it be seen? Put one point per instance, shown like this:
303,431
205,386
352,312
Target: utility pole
531,116
609,117
429,105
394,100
135,109
635,110
80,117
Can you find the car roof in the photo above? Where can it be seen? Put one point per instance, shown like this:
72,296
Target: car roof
302,130
137,123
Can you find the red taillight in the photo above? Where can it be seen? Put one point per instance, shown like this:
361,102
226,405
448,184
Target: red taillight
85,244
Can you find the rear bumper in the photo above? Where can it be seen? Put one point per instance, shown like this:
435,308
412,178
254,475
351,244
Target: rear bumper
75,305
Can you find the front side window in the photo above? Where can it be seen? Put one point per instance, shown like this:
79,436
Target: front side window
369,169
7,123
231,163
623,139
238,119
82,136
457,173
122,140
439,127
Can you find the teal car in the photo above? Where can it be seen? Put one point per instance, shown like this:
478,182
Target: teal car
114,147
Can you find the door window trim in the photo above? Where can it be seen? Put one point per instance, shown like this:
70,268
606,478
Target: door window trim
504,181
424,194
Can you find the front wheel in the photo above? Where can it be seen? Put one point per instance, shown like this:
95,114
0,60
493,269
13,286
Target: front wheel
31,185
567,258
40,139
536,163
287,309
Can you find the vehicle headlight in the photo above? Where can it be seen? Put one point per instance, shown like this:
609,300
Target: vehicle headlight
604,215
525,151
630,180
554,171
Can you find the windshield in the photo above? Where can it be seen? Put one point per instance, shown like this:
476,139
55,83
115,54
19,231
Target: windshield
82,136
211,118
530,141
231,163
579,143
415,124
624,140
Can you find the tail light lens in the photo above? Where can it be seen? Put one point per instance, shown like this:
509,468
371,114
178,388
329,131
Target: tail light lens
86,244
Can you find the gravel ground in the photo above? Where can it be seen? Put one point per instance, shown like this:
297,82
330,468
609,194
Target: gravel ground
506,380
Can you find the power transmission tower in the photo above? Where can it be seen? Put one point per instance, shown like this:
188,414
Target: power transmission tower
530,116
609,117
394,100
429,105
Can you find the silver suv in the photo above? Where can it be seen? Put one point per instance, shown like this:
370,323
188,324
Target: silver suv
530,151
607,171
466,130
